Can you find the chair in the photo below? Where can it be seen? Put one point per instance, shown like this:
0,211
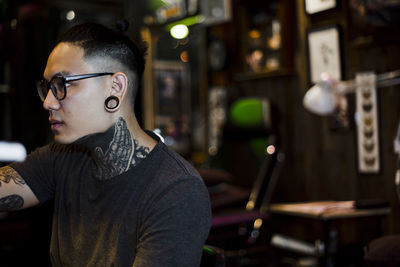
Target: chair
239,209
383,252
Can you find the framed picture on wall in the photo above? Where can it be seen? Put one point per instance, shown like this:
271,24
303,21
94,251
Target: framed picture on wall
172,103
216,11
324,53
315,6
367,121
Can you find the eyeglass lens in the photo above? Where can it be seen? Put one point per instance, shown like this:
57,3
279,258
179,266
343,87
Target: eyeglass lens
56,85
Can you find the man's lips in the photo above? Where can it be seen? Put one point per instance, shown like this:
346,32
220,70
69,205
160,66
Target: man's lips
55,124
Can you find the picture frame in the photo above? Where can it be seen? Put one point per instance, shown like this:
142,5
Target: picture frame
216,11
324,53
172,113
317,6
367,118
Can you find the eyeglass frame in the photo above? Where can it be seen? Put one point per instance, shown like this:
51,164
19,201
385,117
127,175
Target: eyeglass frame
64,79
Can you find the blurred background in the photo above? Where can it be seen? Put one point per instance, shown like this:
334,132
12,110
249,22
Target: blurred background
225,88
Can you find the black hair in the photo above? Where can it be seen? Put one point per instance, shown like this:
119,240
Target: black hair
100,41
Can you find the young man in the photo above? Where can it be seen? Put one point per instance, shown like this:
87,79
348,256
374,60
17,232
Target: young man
121,197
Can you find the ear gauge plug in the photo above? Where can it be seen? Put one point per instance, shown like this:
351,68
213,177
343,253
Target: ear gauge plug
111,103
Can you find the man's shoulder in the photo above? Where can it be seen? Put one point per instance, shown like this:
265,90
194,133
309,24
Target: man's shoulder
174,164
165,169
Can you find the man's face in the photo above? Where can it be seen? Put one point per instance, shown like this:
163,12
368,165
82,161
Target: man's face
82,111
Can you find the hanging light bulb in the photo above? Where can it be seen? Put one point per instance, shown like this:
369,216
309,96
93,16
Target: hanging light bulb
179,31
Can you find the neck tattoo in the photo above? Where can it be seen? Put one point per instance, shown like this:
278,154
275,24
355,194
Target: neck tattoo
122,153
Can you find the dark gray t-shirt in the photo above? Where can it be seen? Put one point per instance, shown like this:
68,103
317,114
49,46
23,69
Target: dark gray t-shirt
155,214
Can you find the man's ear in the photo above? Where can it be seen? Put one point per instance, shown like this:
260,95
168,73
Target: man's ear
119,85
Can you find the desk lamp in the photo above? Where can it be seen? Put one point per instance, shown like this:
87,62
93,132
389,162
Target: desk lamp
324,96
327,97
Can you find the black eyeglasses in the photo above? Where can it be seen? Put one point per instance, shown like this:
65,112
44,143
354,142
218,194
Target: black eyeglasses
58,83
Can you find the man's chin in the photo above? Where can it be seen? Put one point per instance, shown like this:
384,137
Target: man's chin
63,140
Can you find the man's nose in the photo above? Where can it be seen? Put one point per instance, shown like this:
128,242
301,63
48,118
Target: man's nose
51,102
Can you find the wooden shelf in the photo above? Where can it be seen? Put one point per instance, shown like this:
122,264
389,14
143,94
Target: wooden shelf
250,75
265,28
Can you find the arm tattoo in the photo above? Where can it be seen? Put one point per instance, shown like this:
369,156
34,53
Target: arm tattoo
11,202
122,153
7,174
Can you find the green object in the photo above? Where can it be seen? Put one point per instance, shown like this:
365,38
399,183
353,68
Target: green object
208,250
247,112
186,21
154,5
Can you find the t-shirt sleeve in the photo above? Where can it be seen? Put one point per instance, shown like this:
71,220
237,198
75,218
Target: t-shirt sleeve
175,226
37,172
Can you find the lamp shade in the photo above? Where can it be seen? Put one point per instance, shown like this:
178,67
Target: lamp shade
320,99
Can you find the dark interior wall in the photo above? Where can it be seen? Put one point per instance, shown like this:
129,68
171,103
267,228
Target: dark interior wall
321,162
321,159
26,38
326,159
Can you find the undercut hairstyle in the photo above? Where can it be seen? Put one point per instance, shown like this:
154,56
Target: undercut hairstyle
101,42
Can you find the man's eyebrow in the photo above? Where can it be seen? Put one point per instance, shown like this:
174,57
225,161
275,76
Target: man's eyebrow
60,73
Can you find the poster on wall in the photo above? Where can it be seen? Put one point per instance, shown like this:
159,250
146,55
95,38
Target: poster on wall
324,53
367,123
